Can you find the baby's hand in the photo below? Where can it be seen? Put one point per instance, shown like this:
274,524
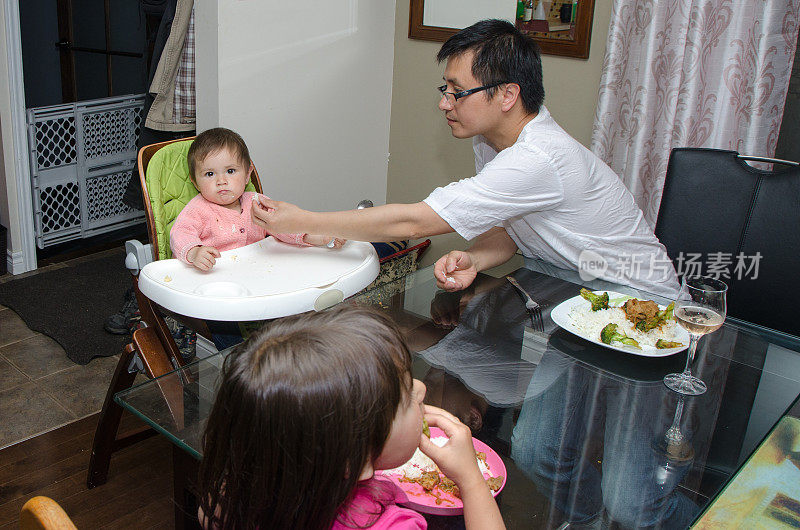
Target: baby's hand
202,258
456,458
324,241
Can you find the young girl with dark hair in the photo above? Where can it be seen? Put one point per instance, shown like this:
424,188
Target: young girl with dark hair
306,411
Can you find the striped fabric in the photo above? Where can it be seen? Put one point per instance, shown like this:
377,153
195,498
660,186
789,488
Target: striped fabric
184,101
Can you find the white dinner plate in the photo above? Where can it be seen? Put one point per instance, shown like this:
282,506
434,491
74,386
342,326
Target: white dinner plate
560,315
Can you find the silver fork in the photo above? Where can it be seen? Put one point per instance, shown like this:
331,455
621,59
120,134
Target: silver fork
533,308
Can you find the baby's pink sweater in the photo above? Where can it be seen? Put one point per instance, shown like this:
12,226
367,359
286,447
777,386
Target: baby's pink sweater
202,222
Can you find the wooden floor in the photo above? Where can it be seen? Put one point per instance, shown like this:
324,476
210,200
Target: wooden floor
137,495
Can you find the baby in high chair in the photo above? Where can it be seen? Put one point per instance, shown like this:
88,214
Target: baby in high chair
219,217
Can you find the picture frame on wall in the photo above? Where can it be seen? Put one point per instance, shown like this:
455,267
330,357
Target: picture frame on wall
560,27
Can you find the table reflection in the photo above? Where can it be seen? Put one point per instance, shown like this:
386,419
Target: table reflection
586,442
584,437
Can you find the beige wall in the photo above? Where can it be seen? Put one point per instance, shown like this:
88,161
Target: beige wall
423,154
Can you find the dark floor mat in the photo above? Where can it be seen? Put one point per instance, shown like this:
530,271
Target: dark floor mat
71,303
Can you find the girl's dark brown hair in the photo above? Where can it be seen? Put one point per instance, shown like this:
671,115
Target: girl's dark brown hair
211,141
301,408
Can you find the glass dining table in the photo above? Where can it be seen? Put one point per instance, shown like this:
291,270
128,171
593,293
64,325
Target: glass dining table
590,436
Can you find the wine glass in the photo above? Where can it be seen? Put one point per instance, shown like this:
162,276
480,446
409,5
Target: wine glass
699,309
673,448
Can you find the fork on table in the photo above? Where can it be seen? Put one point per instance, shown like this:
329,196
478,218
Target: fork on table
533,308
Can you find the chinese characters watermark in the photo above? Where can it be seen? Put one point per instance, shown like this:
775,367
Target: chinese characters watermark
717,265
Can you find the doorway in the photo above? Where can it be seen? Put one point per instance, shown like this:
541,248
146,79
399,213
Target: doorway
99,48
85,67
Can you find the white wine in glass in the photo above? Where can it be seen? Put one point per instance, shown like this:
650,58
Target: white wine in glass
700,309
698,320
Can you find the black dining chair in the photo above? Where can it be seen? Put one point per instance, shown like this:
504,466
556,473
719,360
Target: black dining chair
716,205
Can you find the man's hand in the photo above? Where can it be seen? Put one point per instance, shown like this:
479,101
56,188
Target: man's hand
324,241
202,258
455,271
278,217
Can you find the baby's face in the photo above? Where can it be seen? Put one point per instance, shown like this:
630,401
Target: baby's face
221,178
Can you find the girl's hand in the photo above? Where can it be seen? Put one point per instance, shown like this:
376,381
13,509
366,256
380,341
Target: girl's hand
455,271
456,458
203,258
324,241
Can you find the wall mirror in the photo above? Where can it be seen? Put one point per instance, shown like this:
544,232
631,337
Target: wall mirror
561,27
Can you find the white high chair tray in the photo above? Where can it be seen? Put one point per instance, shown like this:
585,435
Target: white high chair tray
267,279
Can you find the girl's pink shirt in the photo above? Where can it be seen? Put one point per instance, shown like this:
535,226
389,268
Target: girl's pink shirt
202,222
393,517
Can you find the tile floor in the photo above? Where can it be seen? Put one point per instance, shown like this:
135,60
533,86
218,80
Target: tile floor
40,388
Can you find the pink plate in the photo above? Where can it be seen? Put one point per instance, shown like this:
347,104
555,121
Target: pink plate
425,502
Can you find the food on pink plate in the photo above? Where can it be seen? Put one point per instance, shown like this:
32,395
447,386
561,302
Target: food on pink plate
423,471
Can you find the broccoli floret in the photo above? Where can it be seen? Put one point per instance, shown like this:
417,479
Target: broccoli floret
599,301
611,333
425,429
662,344
648,324
660,319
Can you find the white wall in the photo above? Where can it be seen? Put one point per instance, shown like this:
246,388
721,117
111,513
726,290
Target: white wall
309,87
9,165
8,185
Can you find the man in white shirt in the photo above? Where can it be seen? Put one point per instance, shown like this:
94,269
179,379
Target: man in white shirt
536,189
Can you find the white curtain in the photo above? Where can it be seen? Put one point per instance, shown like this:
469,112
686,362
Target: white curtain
691,73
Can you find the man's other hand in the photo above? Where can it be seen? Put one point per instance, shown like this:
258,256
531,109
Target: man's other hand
455,271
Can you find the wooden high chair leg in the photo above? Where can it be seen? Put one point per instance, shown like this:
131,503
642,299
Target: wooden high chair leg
156,363
105,436
151,317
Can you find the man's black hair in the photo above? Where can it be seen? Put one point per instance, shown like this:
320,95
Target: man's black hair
503,54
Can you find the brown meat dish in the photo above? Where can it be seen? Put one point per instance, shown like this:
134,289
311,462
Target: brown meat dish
638,310
432,480
494,483
428,480
449,486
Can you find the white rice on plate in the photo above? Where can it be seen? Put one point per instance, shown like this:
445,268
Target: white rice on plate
421,463
590,323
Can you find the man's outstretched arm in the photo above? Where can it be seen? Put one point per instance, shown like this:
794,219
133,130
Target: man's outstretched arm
391,222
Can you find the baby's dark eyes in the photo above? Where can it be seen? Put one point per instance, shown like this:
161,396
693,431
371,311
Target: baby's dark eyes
231,171
208,174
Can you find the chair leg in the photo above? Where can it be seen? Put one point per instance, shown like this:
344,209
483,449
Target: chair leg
151,317
106,433
156,363
184,489
151,351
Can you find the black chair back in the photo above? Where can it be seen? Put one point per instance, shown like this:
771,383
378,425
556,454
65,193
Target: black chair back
716,205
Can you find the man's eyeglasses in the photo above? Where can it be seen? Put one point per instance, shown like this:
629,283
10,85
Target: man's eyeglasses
452,97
